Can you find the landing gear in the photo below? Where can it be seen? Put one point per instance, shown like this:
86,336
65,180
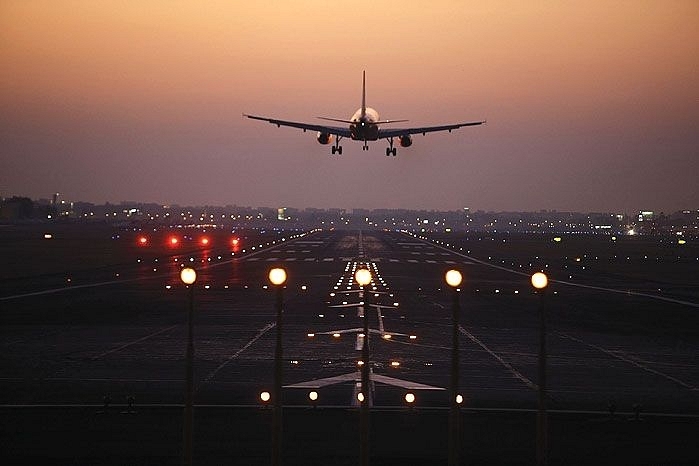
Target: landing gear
337,148
365,146
390,150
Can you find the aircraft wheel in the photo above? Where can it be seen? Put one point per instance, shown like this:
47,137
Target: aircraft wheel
339,150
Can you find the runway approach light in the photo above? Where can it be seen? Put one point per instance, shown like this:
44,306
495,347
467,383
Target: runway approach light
188,276
540,280
363,277
453,278
265,397
409,398
277,276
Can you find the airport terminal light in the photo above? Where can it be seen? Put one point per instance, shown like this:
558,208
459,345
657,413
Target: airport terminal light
188,276
540,282
277,276
454,280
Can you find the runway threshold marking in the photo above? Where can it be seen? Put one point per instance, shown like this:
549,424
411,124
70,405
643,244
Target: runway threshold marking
518,375
107,353
213,373
622,357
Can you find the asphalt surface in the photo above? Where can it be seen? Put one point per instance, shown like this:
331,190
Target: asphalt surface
91,316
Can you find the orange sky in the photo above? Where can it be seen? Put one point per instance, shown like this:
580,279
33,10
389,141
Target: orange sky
577,94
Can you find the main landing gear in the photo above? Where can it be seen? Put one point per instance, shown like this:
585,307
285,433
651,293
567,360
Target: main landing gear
390,150
336,148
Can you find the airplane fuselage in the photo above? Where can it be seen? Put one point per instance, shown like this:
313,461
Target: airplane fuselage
364,127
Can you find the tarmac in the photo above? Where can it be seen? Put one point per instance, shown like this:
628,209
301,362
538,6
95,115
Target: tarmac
89,315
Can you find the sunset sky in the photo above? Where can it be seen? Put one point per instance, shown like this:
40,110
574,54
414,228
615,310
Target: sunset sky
591,105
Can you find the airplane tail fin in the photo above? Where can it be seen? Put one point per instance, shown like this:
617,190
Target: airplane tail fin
363,94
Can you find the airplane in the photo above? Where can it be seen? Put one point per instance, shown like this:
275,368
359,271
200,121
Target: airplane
363,126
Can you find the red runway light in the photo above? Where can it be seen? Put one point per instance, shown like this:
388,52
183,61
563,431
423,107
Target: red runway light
142,240
204,241
173,241
235,241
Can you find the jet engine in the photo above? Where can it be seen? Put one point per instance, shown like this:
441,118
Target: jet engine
406,141
324,138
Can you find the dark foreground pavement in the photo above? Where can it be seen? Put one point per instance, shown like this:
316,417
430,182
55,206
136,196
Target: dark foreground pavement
329,436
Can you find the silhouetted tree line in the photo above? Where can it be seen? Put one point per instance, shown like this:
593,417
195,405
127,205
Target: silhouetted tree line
23,208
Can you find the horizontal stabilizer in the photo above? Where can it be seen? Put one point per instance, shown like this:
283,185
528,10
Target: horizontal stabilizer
339,120
384,122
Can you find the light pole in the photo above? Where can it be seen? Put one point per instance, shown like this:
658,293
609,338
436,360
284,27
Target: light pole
277,277
540,282
188,277
363,278
453,279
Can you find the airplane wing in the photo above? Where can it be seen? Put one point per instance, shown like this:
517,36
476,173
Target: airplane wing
335,130
397,132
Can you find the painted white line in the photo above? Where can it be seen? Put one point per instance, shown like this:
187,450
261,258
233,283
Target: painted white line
507,365
620,356
106,353
563,282
213,373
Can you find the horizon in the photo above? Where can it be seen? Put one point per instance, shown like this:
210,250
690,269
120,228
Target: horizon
471,209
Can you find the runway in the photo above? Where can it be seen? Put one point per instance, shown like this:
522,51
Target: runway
125,337
93,348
